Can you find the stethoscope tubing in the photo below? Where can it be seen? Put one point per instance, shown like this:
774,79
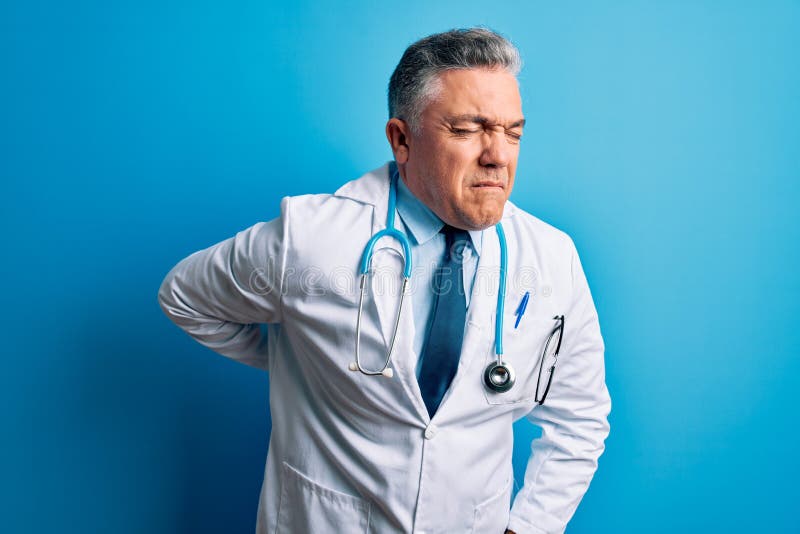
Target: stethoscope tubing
364,268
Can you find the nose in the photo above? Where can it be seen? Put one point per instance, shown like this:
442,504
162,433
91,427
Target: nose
497,151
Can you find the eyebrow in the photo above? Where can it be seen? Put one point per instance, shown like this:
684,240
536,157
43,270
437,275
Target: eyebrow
480,119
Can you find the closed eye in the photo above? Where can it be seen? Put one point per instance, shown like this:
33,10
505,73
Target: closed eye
513,135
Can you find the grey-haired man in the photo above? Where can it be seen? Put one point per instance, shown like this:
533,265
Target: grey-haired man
389,420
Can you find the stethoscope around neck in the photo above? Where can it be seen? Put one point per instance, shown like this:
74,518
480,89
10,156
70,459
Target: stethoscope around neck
498,376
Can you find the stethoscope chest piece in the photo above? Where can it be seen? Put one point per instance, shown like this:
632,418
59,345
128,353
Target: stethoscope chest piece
499,376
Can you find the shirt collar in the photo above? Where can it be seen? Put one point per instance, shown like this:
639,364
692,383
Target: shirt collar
422,223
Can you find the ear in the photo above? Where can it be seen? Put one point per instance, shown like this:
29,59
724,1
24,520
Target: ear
397,132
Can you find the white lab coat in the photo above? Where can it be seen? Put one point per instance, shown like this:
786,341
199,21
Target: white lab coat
351,453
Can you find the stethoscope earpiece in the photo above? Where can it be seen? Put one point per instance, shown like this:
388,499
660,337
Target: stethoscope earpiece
499,376
388,372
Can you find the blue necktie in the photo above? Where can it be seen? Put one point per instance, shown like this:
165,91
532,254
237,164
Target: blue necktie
443,347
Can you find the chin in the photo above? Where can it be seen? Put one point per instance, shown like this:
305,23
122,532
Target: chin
483,221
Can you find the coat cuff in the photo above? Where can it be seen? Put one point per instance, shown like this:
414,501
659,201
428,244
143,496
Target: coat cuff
520,526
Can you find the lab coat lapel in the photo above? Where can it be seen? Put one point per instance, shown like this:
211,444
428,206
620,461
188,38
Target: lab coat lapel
483,304
386,288
479,330
387,268
386,284
373,189
479,333
387,263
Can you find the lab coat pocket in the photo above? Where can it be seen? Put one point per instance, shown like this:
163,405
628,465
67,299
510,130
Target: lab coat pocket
306,506
492,514
522,350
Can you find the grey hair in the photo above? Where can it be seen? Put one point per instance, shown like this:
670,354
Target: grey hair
415,79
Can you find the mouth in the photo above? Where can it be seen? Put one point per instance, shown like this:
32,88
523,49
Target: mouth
489,185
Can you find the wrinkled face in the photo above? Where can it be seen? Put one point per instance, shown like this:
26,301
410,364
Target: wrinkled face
462,159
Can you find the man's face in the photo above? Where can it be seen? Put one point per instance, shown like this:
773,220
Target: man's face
462,160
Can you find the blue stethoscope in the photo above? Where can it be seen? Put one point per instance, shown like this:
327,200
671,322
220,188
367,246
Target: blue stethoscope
498,375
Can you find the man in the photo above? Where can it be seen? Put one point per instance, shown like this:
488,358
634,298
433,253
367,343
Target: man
425,445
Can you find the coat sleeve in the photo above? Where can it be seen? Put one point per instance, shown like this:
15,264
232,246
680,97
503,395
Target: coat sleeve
573,419
223,296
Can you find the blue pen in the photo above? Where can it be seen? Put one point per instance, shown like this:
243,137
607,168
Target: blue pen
521,308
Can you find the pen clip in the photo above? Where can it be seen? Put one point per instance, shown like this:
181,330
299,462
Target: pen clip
523,304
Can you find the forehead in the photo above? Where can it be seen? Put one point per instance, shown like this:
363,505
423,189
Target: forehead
492,93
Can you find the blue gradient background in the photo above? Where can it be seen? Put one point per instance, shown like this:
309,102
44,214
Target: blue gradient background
663,137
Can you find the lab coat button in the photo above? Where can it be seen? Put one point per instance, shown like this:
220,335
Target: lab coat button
430,431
